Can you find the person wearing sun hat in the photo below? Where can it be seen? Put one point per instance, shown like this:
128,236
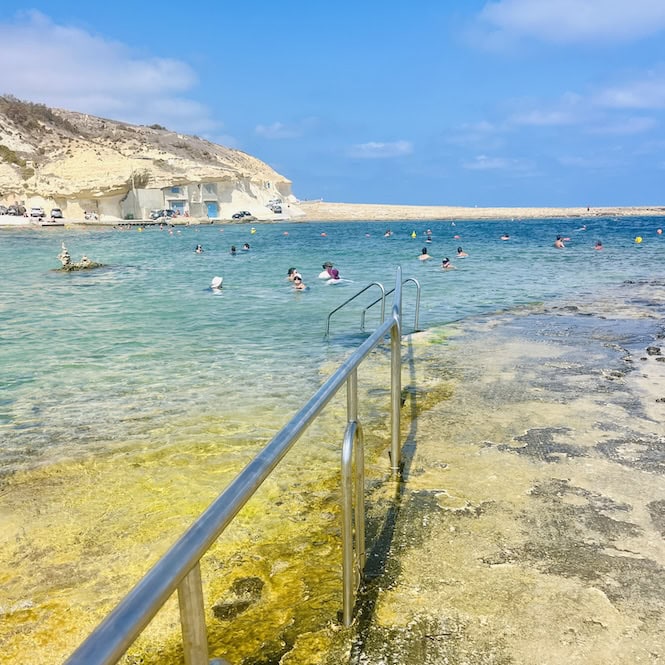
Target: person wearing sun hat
216,283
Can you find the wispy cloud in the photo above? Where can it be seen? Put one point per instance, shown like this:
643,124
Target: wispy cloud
68,67
295,130
594,163
647,92
568,21
482,133
625,126
485,163
544,118
376,150
277,130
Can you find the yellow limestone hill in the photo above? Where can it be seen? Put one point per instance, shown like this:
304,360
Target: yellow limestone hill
82,163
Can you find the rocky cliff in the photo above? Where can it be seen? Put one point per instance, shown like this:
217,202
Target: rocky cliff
64,157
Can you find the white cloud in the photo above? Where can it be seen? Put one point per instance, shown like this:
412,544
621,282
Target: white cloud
546,118
646,93
512,166
625,126
67,67
278,131
376,150
485,163
593,163
566,21
482,132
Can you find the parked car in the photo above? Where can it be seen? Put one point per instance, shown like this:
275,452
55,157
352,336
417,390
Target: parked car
166,213
3,210
36,212
242,214
14,210
276,209
56,213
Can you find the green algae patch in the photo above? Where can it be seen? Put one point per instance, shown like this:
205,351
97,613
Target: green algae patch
77,535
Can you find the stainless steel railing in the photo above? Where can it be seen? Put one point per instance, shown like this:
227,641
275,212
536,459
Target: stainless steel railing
179,569
383,298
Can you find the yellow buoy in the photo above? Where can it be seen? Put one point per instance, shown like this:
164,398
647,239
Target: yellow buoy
638,240
253,230
414,235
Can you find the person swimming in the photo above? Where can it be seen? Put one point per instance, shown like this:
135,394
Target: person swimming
424,255
245,247
298,284
558,243
216,283
446,264
292,274
598,245
505,236
327,270
461,254
199,249
233,250
334,277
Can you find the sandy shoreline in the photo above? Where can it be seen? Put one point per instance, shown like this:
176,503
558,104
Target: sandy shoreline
320,210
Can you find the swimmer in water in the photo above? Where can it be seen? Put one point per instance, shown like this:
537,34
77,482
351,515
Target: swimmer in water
505,236
292,274
558,243
424,255
598,245
334,277
298,284
245,247
461,254
199,249
327,270
233,250
446,264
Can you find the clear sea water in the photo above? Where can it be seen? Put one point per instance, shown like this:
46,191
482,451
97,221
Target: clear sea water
142,352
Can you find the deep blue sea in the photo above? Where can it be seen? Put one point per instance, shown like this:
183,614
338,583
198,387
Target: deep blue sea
142,352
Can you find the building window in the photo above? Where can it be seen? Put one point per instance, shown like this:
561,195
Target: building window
175,190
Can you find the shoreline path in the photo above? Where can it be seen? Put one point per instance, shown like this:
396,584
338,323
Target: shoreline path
311,211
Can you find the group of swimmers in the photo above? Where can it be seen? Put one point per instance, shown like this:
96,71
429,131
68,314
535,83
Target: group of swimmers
245,248
329,273
445,262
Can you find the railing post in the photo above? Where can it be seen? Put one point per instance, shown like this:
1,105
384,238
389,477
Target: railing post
192,618
396,379
348,587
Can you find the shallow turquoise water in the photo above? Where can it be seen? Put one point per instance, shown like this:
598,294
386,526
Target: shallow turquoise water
142,353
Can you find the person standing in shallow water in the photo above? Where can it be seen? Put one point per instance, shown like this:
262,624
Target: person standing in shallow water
558,243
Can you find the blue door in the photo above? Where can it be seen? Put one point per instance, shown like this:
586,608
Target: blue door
213,209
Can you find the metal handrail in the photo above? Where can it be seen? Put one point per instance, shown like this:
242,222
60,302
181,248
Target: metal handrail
179,568
417,316
353,297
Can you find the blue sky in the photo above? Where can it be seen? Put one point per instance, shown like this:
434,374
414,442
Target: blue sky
503,103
